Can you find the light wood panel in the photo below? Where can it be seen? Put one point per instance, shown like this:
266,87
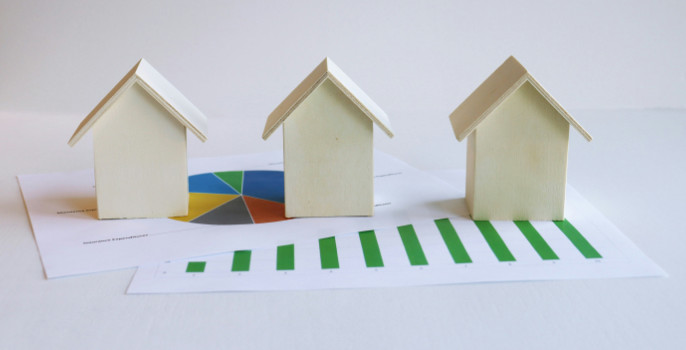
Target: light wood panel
328,157
140,159
519,161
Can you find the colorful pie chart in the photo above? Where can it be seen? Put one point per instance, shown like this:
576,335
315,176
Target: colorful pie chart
235,197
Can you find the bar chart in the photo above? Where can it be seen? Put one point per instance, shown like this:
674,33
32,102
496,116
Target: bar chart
373,257
440,251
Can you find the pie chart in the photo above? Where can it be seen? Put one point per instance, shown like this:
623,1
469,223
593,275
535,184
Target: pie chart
235,198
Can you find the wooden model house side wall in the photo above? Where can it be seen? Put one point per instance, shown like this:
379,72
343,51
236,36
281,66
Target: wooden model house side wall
140,159
471,166
328,157
520,160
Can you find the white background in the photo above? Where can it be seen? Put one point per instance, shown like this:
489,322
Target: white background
238,59
618,66
417,59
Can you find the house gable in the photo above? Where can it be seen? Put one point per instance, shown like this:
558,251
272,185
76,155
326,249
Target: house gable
519,160
327,71
502,83
140,171
328,157
151,81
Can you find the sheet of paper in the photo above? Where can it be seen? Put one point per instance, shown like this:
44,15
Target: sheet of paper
418,252
71,240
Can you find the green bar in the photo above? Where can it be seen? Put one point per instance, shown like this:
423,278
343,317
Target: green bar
285,257
536,241
578,240
196,266
452,241
494,241
370,248
241,261
412,246
328,253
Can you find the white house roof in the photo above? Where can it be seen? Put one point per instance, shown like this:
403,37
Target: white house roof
160,89
494,91
327,70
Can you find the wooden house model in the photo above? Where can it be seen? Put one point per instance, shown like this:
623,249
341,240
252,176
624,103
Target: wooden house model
518,137
328,145
139,143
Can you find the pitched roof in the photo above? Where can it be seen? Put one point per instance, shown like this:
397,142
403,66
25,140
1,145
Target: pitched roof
495,90
160,89
327,70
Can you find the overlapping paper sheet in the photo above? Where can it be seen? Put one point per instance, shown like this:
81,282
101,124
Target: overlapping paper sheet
447,250
72,241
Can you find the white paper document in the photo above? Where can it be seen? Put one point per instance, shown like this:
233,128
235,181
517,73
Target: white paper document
71,240
441,250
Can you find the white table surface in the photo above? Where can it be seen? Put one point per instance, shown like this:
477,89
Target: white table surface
633,172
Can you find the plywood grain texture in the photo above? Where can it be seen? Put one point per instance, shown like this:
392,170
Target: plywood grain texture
139,142
328,144
519,162
140,160
518,136
328,157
